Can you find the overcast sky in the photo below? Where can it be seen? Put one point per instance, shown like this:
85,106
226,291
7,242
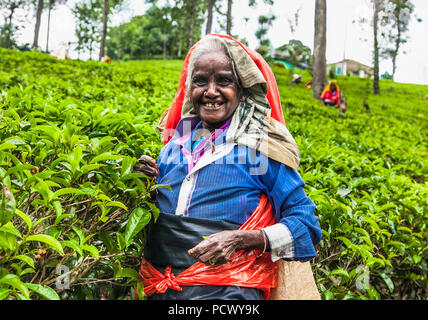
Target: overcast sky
344,38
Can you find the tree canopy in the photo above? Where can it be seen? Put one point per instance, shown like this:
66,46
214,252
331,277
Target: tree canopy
296,53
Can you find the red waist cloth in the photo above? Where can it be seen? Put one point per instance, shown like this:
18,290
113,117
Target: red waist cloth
328,95
245,269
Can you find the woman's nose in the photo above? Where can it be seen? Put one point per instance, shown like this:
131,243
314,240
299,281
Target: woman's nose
211,90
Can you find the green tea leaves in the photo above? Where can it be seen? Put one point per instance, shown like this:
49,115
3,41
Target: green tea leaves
138,219
44,291
52,242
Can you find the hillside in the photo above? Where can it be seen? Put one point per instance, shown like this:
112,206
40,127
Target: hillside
71,131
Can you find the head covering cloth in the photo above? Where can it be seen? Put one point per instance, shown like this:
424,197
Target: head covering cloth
328,87
258,121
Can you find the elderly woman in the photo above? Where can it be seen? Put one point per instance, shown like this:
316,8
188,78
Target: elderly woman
236,203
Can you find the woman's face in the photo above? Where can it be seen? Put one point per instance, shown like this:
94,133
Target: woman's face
214,89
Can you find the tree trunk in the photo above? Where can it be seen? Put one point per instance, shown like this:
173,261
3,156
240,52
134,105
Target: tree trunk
37,27
49,24
191,22
210,16
394,57
229,17
397,41
104,32
164,36
90,50
376,8
319,67
180,43
12,11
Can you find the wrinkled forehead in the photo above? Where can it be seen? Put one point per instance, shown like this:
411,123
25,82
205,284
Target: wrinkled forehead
213,62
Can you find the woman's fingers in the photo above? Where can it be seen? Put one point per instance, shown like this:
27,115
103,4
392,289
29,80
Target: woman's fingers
147,166
216,249
146,169
146,159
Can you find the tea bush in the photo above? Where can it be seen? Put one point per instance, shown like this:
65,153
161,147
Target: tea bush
71,131
367,174
70,134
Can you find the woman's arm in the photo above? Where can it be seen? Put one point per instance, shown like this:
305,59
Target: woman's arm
298,230
293,237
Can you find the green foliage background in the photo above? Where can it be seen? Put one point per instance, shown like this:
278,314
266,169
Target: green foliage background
71,131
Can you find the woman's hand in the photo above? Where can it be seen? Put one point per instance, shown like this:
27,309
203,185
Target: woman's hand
222,246
148,166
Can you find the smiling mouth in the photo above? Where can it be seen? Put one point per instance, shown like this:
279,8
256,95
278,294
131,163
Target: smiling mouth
212,106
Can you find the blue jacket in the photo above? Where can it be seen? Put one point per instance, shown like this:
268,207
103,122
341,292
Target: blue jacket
226,183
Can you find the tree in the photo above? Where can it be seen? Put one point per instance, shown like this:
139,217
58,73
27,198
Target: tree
88,29
189,15
7,36
191,23
319,67
163,20
265,22
104,31
253,3
397,14
294,21
229,17
51,6
210,7
158,32
265,46
228,13
389,26
9,7
107,7
38,20
12,20
376,11
296,53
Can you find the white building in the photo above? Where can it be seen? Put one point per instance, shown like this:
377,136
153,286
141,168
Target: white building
351,67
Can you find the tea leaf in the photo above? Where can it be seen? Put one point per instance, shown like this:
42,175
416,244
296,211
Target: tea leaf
54,243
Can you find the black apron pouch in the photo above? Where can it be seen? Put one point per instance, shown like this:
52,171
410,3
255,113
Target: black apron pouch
171,236
169,239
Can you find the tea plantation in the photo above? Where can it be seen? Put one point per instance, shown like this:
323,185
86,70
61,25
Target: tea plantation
71,132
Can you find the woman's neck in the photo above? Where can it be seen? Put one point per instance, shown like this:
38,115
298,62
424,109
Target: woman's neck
213,127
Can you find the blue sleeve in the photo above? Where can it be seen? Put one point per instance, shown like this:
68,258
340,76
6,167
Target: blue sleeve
294,209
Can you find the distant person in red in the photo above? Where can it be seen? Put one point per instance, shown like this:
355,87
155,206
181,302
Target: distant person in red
330,95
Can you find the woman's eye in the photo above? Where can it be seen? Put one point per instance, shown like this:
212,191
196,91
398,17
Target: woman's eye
199,81
225,81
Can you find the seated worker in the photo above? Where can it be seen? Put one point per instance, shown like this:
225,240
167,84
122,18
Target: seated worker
296,78
330,95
